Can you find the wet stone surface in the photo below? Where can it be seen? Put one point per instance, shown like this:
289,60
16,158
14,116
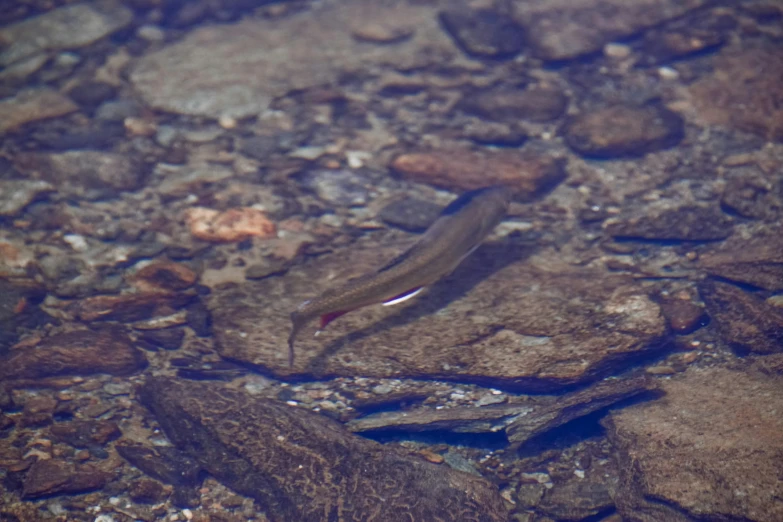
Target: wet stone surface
711,449
543,334
75,353
301,465
623,131
176,177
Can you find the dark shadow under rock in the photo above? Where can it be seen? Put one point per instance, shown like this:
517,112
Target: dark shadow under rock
666,221
496,320
302,466
710,450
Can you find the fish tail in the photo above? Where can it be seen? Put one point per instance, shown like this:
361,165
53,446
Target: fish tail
297,323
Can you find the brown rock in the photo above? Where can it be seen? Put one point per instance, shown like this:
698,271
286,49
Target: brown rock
85,433
57,477
303,466
89,174
566,29
484,33
538,104
529,176
757,260
38,411
744,91
710,450
232,225
33,104
146,491
623,131
129,307
744,320
683,316
493,320
164,276
81,352
697,222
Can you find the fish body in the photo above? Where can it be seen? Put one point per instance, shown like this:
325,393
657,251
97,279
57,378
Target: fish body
457,232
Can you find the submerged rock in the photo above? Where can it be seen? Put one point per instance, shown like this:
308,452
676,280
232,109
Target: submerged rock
743,92
493,320
303,466
67,27
15,195
574,405
665,221
624,131
82,352
710,450
58,477
745,321
33,104
85,174
566,29
528,175
484,33
757,260
214,71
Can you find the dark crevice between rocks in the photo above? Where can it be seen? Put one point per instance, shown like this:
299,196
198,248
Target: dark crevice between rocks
579,429
488,441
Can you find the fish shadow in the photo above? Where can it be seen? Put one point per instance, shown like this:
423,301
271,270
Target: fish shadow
485,261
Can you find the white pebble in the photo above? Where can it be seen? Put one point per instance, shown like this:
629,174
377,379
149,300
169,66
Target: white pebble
667,73
77,242
188,514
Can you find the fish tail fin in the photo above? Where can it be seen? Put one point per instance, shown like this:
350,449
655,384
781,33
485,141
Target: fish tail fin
298,321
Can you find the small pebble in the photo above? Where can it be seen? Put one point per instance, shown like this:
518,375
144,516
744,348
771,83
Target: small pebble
615,50
151,33
668,73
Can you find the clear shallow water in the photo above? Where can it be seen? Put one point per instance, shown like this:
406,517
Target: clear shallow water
176,178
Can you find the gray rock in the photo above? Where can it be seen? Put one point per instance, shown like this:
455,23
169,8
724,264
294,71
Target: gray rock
745,321
549,415
624,131
710,450
578,499
66,27
343,187
33,104
459,419
484,33
690,222
303,466
214,71
565,29
86,174
493,320
15,195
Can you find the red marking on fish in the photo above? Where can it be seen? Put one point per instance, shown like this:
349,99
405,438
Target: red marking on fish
331,316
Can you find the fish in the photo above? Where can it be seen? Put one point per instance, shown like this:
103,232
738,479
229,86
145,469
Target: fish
454,235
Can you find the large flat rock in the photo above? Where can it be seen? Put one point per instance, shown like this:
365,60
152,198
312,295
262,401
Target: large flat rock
303,466
711,449
497,319
237,69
